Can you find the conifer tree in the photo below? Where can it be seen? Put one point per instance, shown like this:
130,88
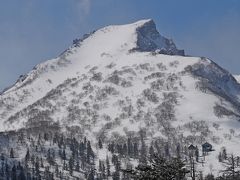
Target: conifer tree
64,155
178,151
130,147
143,153
14,173
27,156
37,169
56,170
125,149
22,175
41,160
103,171
166,149
197,154
90,154
108,166
151,152
90,176
77,168
159,169
224,153
116,175
220,157
100,145
7,170
11,153
71,165
135,150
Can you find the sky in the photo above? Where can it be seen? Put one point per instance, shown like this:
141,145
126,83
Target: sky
32,31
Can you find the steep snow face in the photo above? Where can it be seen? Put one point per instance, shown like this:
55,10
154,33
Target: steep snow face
122,79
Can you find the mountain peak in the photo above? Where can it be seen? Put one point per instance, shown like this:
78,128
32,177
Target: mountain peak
140,36
144,22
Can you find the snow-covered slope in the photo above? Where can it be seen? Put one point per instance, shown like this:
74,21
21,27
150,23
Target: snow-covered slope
237,77
122,79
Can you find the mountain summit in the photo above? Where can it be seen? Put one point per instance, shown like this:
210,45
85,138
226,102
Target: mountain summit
128,81
139,36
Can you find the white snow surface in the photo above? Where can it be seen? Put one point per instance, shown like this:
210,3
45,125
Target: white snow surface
237,77
108,50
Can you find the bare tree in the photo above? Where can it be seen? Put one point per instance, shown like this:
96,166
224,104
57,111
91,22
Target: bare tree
232,169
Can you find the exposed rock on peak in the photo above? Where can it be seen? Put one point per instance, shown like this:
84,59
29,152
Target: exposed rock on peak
149,39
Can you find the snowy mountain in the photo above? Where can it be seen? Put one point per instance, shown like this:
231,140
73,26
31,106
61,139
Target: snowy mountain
125,79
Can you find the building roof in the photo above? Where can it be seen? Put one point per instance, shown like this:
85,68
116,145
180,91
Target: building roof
192,147
207,144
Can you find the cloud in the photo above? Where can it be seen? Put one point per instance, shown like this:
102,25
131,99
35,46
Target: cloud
76,21
84,6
